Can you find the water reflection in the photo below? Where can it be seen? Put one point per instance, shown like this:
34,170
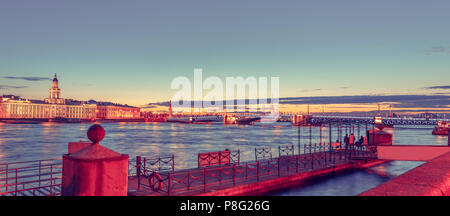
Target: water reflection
352,183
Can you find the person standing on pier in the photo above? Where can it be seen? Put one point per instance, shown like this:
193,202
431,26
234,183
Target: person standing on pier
352,139
346,141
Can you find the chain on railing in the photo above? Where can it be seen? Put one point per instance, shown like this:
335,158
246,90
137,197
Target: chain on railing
263,153
218,158
285,150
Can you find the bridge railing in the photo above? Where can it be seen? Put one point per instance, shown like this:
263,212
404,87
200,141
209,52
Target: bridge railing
370,120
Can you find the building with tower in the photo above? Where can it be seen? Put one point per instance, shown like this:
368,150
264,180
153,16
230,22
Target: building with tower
55,93
53,107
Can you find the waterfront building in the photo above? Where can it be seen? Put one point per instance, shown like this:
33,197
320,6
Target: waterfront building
14,107
117,111
34,109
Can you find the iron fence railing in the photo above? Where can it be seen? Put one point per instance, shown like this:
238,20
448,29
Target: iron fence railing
31,178
203,179
223,169
218,158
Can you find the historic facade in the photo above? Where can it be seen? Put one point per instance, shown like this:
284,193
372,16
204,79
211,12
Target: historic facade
13,107
26,109
117,112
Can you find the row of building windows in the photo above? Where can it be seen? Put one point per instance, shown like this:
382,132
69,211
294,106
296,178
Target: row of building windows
21,109
29,110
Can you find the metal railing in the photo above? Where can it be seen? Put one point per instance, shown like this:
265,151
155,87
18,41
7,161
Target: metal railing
43,177
204,179
218,158
31,178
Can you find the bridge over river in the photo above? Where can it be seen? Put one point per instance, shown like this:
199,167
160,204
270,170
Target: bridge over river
323,119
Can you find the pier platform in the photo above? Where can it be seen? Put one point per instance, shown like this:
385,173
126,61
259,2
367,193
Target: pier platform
250,178
429,179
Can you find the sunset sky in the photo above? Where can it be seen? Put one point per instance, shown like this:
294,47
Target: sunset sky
130,51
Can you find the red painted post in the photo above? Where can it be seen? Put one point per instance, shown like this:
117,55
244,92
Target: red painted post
16,184
257,171
51,179
278,166
239,156
234,174
145,170
312,156
6,177
246,171
220,173
173,163
188,177
159,164
39,174
204,179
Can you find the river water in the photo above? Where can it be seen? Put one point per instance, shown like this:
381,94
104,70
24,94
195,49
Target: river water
23,142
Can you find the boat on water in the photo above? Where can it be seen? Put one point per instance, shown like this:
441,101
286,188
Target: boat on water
195,119
65,120
179,119
442,128
21,121
247,120
271,119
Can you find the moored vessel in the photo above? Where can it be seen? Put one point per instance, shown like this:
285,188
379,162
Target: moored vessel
441,129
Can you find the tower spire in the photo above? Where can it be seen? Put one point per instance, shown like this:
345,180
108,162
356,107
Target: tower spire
55,93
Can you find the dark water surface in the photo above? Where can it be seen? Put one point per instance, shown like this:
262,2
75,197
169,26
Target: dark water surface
352,183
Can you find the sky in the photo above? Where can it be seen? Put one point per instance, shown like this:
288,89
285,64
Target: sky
130,51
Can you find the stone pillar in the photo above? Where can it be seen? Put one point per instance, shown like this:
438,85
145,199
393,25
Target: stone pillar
94,170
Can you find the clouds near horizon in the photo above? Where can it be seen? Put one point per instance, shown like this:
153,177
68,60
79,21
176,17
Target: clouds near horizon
439,87
3,87
27,78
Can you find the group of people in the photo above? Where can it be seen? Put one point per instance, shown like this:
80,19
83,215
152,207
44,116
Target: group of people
350,140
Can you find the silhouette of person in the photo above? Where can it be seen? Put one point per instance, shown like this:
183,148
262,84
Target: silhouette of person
352,139
346,139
